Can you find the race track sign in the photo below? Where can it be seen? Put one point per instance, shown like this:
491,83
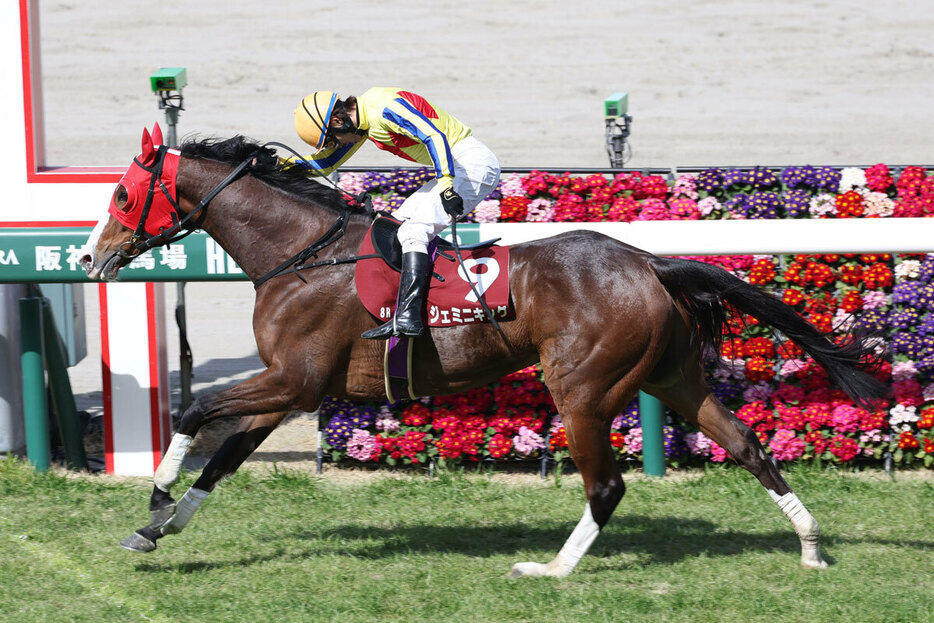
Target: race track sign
51,255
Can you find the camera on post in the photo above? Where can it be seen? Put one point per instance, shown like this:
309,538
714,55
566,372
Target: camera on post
618,127
167,83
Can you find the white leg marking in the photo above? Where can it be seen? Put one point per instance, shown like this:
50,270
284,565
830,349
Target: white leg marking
171,464
574,549
805,526
184,510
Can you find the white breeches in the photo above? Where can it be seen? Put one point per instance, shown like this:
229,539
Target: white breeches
476,174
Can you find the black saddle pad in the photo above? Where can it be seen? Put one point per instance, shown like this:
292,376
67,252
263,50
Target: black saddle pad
386,242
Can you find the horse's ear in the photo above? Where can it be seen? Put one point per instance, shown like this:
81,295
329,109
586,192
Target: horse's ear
148,152
157,135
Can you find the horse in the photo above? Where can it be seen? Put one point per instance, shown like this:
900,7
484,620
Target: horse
603,318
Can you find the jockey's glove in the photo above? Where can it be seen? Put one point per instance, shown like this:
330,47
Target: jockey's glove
452,203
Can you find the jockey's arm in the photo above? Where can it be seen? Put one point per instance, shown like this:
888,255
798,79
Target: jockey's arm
405,119
325,161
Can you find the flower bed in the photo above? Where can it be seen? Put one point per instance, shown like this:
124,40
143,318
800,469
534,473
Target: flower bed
768,382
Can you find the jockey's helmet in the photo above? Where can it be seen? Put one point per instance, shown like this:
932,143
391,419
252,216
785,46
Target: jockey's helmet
313,115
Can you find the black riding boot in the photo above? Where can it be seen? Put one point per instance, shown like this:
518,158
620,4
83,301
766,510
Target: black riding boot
412,285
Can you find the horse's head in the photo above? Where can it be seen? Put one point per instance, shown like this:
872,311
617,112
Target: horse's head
143,205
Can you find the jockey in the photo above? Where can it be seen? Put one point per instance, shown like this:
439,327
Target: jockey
411,127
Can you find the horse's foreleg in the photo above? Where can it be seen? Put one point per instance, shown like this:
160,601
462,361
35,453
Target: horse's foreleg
173,517
589,442
718,423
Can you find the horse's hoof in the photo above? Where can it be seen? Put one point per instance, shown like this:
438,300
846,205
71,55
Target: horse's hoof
528,569
136,542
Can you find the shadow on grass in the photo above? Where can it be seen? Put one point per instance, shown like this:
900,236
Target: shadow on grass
653,540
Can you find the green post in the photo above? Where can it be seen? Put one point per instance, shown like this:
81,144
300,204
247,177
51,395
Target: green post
651,412
62,398
35,407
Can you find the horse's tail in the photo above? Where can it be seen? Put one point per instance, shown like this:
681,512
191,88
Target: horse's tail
705,289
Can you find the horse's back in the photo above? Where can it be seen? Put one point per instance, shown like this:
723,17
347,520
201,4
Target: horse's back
586,277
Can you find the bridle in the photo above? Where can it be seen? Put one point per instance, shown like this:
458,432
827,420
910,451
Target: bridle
140,241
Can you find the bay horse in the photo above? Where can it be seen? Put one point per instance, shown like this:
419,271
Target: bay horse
603,318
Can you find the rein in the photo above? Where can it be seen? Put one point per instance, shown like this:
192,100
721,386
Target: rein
140,241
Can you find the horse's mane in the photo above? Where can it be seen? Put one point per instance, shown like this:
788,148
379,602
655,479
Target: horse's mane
267,168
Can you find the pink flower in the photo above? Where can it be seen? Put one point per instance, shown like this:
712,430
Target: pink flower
698,443
487,211
362,445
540,211
846,418
717,453
786,445
654,210
633,441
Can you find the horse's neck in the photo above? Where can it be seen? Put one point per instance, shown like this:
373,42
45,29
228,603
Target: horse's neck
258,226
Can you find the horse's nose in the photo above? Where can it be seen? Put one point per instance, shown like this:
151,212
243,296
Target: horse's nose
86,261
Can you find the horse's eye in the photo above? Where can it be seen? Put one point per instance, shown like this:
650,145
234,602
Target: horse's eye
121,197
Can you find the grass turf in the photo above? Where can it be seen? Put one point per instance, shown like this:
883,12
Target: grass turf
286,546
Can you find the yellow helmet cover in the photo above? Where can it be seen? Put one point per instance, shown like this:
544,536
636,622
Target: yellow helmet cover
313,115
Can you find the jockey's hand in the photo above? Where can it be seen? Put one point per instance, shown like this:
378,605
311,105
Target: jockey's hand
452,203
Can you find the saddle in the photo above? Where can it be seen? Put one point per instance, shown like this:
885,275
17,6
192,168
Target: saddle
386,243
450,300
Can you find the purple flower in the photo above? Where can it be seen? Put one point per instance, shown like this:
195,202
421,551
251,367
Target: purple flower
736,177
764,205
675,446
926,326
738,204
908,344
762,178
798,177
629,418
871,321
797,202
827,178
907,293
710,180
727,391
926,272
926,296
903,319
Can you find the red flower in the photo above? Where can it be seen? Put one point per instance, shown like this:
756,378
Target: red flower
929,446
500,445
843,447
792,297
762,272
759,347
849,204
558,440
816,438
907,441
617,440
851,302
877,276
416,414
851,274
927,418
513,209
759,369
878,178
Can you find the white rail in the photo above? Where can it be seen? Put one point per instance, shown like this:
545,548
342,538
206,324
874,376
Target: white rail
741,237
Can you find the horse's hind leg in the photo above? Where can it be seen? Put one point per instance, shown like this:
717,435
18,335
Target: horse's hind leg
719,423
169,517
589,443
